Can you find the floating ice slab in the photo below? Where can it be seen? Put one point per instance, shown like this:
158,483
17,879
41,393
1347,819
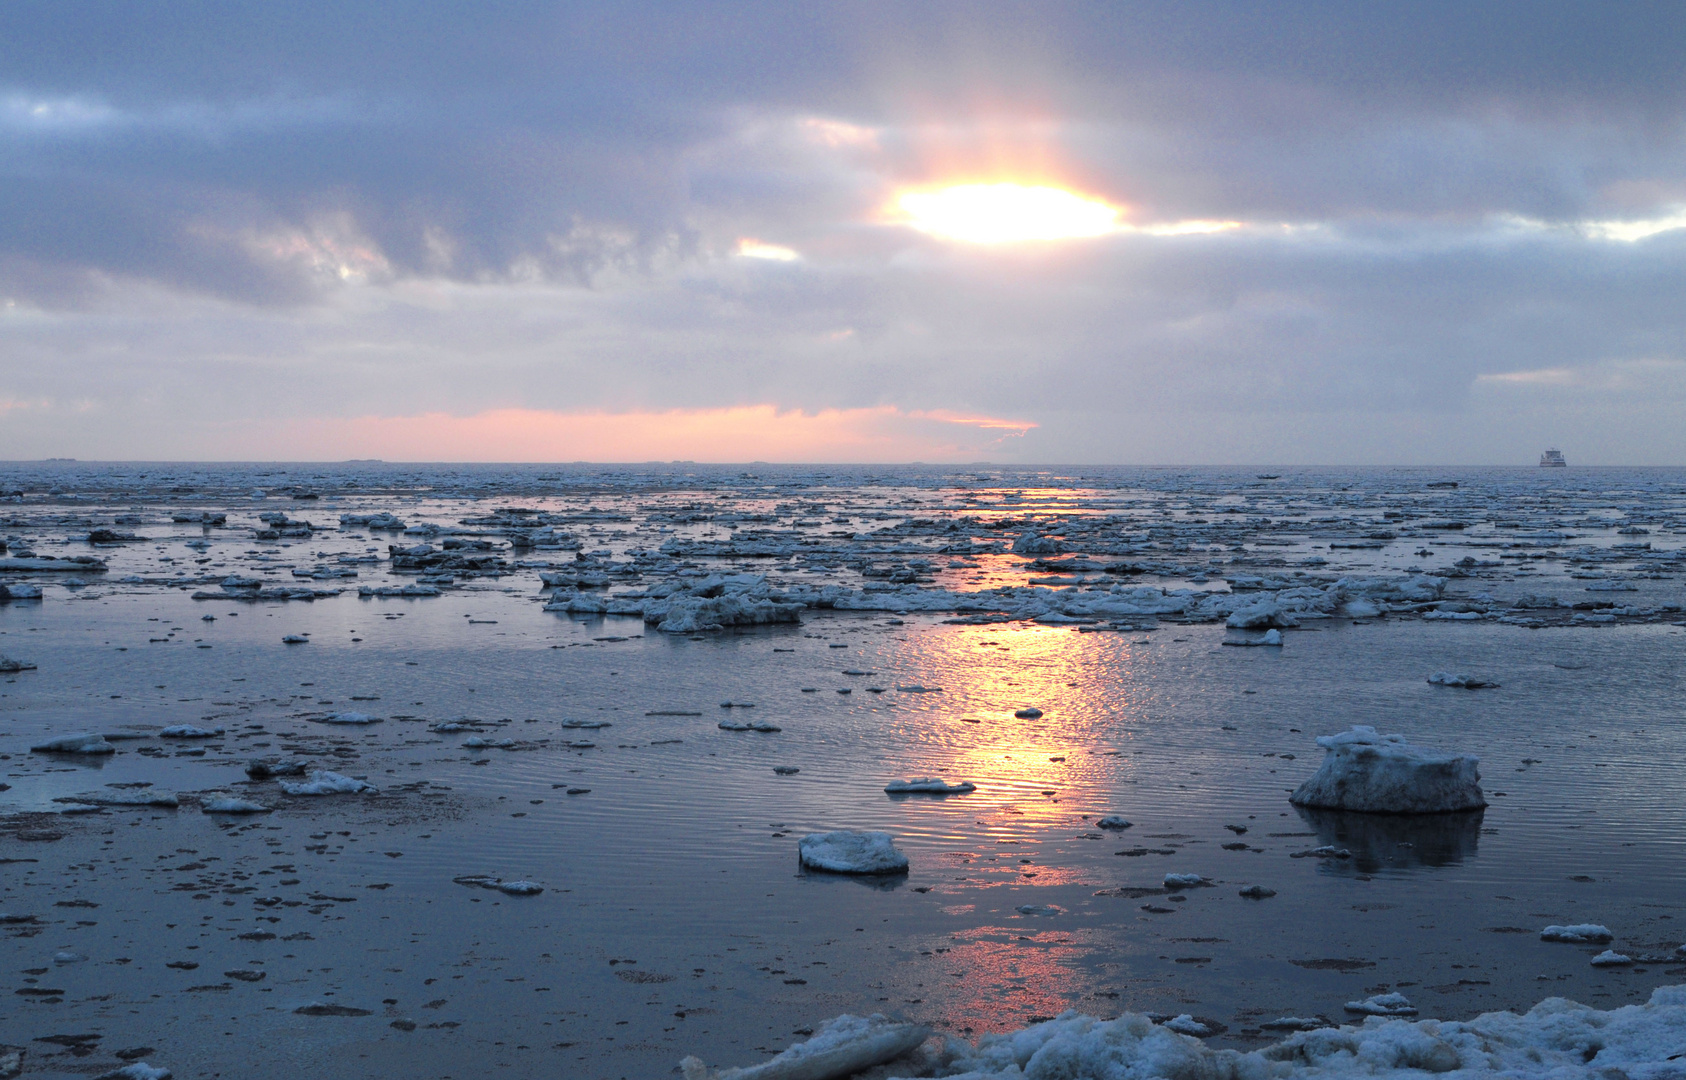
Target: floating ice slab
229,804
1383,774
75,744
1113,821
1578,934
846,852
1611,958
347,718
8,666
1184,881
928,785
748,725
188,731
1187,1025
322,782
840,1048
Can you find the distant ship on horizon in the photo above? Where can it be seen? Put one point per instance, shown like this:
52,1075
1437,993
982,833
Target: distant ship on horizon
1553,459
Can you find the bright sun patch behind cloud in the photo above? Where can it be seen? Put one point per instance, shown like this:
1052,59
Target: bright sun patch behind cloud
1006,213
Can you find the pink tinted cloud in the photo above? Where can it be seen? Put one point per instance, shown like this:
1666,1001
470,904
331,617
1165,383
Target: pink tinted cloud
741,433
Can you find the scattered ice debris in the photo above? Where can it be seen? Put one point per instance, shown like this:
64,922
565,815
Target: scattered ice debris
840,1048
1028,714
928,785
1187,1025
263,770
323,782
345,718
748,725
1394,1004
1040,909
8,666
511,888
1467,682
230,804
295,639
75,744
188,731
1578,934
1184,881
784,770
1611,958
1383,774
1113,821
845,852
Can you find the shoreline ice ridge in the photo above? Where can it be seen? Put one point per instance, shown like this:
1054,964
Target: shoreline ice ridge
1557,1039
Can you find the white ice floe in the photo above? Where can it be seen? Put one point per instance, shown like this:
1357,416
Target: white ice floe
188,731
1257,892
1578,934
295,639
1184,881
520,888
1295,1023
1466,682
347,718
230,804
845,852
68,958
323,782
1113,821
1611,958
75,744
928,785
1040,909
1395,1004
478,743
840,1048
1383,774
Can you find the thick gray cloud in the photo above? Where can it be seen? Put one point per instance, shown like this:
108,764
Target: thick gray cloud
225,213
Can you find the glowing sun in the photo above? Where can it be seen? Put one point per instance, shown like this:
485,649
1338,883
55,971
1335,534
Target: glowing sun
1006,213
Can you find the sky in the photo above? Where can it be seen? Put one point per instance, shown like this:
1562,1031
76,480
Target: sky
1109,233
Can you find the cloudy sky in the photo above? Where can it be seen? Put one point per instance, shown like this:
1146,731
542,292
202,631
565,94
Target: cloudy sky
1316,232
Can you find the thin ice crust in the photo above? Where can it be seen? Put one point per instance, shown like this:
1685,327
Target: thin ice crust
1383,774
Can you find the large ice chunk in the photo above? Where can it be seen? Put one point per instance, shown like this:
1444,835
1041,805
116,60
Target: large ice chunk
1383,774
75,744
841,1048
846,852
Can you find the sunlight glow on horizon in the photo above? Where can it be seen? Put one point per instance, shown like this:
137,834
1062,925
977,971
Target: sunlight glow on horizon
1006,213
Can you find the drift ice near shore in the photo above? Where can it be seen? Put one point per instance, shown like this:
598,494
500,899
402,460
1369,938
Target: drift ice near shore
1558,1038
842,1047
928,785
845,852
1383,774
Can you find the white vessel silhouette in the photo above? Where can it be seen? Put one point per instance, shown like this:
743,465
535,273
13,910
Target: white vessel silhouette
1553,459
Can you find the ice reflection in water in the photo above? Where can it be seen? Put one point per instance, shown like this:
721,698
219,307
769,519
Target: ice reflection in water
1397,842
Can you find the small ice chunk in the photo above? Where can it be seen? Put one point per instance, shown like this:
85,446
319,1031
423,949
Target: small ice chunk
1113,821
1466,682
928,785
68,958
263,770
75,744
140,1070
478,743
841,1048
295,639
1040,909
1028,714
1383,774
584,725
1578,934
1611,958
8,666
845,852
748,725
1394,1004
1184,881
188,731
1257,892
786,770
520,888
323,782
1295,1023
1186,1025
229,804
